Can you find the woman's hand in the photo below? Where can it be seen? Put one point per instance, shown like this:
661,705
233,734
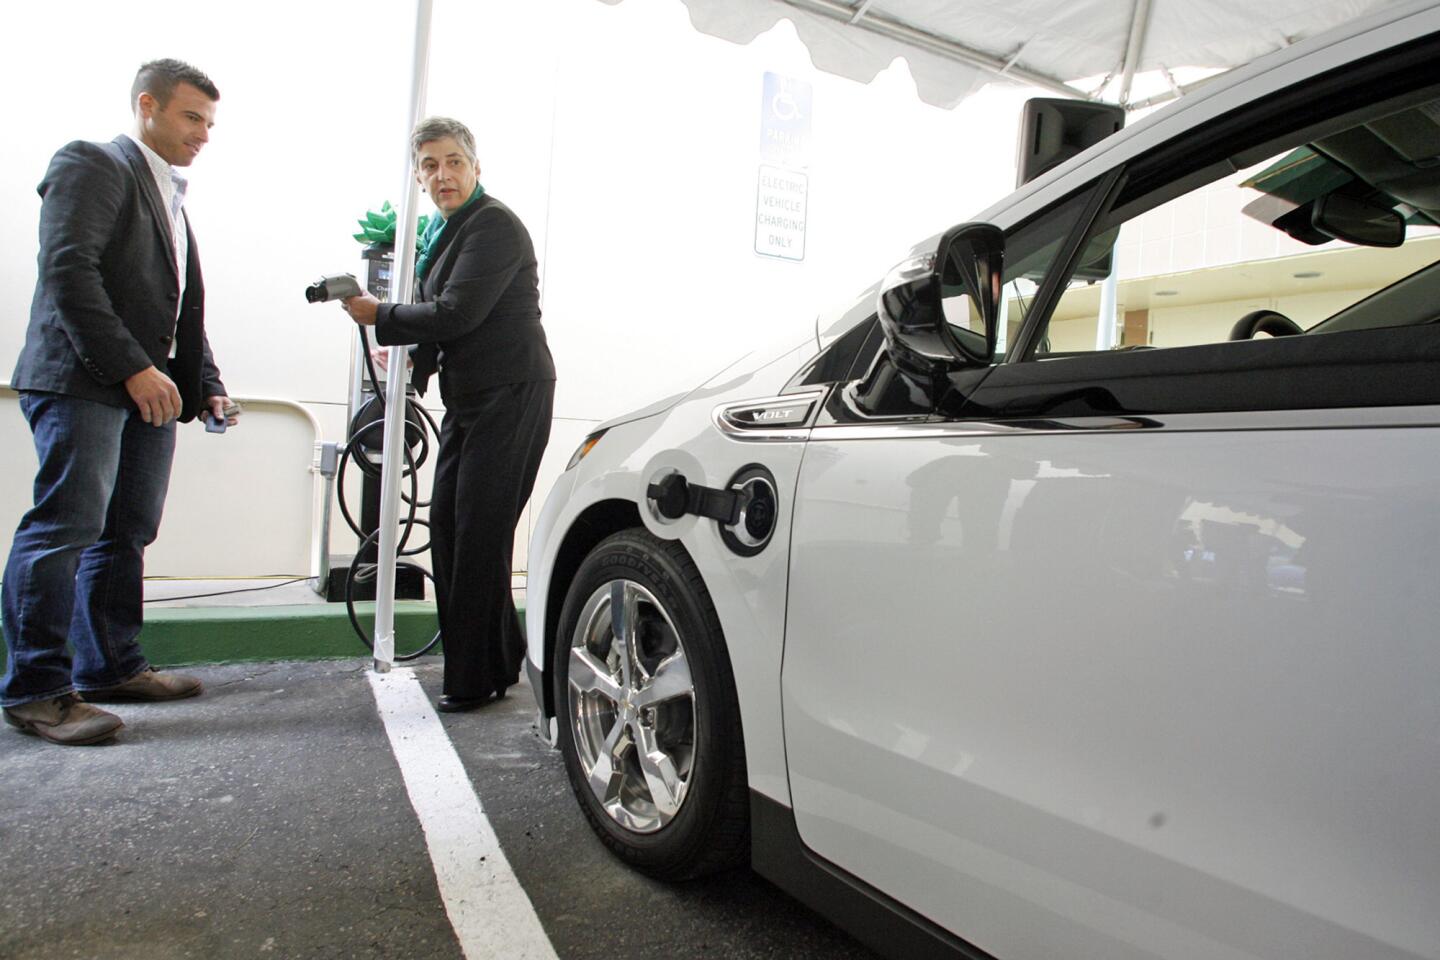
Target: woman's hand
381,355
361,309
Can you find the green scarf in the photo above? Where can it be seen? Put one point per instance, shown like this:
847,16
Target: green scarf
434,230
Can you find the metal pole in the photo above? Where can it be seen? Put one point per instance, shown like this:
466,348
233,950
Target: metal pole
895,30
1109,295
402,279
1134,48
327,460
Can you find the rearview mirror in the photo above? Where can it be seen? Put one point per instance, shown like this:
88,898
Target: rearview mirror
1054,130
939,312
1356,221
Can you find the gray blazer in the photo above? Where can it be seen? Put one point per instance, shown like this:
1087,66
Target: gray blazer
106,286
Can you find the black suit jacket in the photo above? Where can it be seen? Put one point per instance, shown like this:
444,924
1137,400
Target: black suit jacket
477,315
104,306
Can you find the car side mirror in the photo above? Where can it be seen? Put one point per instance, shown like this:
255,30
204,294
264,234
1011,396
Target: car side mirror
1356,221
940,312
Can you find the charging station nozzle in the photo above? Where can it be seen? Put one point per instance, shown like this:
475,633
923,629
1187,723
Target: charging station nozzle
337,286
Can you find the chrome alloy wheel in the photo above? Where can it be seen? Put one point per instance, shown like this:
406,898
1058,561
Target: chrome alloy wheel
632,706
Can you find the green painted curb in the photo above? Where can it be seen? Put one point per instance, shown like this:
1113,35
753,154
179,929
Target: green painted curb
180,635
174,636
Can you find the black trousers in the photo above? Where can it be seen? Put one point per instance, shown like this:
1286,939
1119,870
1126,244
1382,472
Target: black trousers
490,448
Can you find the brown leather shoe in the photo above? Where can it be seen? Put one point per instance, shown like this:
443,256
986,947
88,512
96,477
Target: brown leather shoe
65,719
148,685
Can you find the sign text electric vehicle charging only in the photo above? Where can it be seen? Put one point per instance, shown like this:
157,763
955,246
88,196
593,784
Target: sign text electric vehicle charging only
783,183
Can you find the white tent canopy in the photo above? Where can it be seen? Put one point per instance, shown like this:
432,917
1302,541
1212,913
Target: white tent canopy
953,47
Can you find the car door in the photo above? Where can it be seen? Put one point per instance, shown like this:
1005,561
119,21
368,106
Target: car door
1131,653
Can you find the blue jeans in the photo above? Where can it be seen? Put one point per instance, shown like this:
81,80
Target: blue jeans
76,567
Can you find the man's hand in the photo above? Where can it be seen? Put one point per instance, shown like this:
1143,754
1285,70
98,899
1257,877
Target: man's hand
218,406
361,309
155,395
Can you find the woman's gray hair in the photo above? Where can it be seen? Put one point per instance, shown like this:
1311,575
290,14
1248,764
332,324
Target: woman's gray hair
438,128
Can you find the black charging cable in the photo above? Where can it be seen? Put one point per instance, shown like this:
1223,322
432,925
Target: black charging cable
419,427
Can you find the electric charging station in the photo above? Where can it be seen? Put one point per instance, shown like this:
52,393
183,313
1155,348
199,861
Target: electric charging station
381,414
364,416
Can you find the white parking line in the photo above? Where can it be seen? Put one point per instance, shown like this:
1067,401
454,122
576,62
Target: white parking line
491,914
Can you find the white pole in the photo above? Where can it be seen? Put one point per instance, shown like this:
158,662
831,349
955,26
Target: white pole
1134,49
402,281
1106,323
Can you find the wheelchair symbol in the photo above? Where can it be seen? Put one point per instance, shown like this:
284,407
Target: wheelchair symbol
784,107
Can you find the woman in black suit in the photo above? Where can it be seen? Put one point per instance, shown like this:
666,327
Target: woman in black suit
476,321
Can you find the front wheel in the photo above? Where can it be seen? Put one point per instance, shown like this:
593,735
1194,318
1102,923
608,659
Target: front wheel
648,720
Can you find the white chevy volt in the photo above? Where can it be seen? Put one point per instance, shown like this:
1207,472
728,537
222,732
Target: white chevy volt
990,643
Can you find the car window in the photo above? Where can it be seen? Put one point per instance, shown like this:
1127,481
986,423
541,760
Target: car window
1032,252
1262,251
844,359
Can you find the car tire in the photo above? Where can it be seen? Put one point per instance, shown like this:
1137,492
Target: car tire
650,727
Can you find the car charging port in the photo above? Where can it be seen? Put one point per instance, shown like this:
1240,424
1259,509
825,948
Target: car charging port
747,510
752,528
674,497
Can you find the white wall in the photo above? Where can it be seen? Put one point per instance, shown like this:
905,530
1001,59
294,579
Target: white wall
626,141
216,494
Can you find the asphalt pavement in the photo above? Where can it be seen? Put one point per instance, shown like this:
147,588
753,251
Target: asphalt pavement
269,818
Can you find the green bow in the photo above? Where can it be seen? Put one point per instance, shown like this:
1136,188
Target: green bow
380,227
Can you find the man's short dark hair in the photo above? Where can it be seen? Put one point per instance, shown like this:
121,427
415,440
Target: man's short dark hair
159,78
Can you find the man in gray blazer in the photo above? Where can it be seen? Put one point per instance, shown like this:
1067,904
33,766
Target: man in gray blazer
114,354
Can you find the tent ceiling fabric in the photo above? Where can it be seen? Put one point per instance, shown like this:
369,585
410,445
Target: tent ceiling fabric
953,48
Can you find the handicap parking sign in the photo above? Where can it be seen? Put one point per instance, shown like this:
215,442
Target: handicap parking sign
785,122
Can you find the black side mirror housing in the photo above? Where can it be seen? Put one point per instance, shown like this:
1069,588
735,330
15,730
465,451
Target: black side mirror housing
1054,130
940,312
970,264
